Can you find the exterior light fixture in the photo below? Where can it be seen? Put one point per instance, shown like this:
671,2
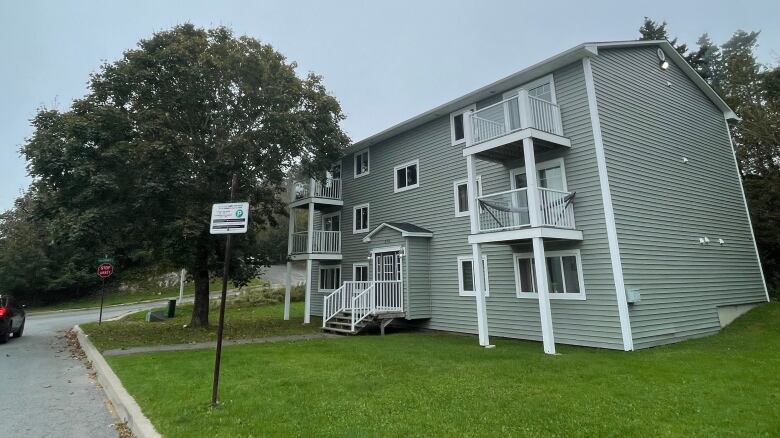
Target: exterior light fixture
663,63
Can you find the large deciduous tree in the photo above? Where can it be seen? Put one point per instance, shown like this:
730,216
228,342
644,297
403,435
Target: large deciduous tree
155,142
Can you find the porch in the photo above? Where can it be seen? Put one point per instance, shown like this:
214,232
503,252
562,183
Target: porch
326,192
355,304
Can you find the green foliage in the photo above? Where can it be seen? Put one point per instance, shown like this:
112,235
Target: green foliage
652,31
133,167
413,384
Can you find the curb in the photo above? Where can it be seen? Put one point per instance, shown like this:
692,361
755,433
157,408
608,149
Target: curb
124,404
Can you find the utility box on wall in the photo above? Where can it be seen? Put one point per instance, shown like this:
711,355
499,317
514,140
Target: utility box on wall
632,295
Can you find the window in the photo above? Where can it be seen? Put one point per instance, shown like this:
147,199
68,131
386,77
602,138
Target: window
458,125
360,218
542,88
331,222
564,275
335,172
466,276
406,176
542,92
360,272
330,277
461,193
550,175
361,163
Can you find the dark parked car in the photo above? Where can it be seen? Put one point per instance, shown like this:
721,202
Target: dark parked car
11,319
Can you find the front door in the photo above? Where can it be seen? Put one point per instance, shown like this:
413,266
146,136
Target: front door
387,278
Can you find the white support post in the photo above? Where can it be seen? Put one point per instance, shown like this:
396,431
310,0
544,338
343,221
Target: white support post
532,182
182,275
525,110
312,186
288,277
548,339
310,234
467,129
307,298
477,270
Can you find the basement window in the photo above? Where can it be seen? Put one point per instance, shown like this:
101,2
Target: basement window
564,275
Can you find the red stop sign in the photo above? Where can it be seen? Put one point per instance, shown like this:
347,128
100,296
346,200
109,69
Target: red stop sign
105,270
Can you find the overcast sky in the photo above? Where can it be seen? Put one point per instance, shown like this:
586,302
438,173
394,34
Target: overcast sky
384,62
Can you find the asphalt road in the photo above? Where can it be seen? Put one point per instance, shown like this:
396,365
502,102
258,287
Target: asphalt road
45,391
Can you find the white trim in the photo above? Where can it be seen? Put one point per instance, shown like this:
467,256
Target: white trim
322,267
385,249
549,164
329,215
747,210
463,111
354,218
534,84
406,165
354,163
315,256
515,136
553,296
403,232
609,213
465,293
526,233
361,265
461,182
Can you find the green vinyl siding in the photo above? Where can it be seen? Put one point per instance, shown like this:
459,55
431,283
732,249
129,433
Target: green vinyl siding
593,322
418,280
651,119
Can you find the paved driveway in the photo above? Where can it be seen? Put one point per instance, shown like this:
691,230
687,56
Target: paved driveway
45,391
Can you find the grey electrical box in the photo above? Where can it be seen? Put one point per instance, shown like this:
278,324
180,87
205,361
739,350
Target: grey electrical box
632,295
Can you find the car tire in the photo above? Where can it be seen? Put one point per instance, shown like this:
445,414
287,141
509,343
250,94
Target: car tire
4,335
18,333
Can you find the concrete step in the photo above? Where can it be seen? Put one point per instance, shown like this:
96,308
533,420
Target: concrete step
338,330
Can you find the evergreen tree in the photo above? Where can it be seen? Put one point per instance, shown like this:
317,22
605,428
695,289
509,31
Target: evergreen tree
652,31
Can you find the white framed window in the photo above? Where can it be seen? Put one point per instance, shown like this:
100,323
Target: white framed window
458,124
564,275
360,272
406,176
466,276
330,277
542,88
460,191
331,221
549,174
362,166
360,218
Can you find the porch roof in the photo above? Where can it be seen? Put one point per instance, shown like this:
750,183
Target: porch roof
406,229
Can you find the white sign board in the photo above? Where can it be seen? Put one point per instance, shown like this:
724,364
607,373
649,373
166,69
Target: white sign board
230,218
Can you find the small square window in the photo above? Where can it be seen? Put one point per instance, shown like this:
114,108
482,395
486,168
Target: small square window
361,163
360,218
461,194
360,272
406,176
466,276
458,125
330,278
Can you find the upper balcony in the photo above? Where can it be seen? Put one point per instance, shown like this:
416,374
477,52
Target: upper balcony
491,130
319,244
506,216
326,192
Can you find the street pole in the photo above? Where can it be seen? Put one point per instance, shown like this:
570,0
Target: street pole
102,296
221,326
181,285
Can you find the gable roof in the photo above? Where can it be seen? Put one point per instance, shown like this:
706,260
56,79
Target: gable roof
406,229
535,71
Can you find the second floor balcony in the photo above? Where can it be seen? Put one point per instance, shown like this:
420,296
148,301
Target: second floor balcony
321,242
325,192
512,119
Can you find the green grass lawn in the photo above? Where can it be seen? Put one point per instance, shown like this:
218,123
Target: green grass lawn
445,385
243,320
126,297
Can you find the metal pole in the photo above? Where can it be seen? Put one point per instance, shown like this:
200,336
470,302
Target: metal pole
102,295
181,285
221,326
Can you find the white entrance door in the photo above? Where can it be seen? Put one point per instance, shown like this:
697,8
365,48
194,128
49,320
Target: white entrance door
388,284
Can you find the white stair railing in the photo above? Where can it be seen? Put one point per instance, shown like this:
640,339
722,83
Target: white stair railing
388,296
361,306
333,304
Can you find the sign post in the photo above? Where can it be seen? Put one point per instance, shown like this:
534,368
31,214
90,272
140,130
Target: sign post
104,270
230,218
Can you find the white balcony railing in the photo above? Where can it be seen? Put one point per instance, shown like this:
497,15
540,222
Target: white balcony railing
323,242
362,299
330,189
512,114
509,210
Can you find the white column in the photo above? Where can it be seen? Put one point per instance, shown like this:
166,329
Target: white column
288,276
182,274
479,288
525,109
307,298
532,183
548,338
311,228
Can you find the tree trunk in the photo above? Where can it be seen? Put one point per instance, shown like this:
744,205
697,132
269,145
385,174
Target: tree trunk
200,308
